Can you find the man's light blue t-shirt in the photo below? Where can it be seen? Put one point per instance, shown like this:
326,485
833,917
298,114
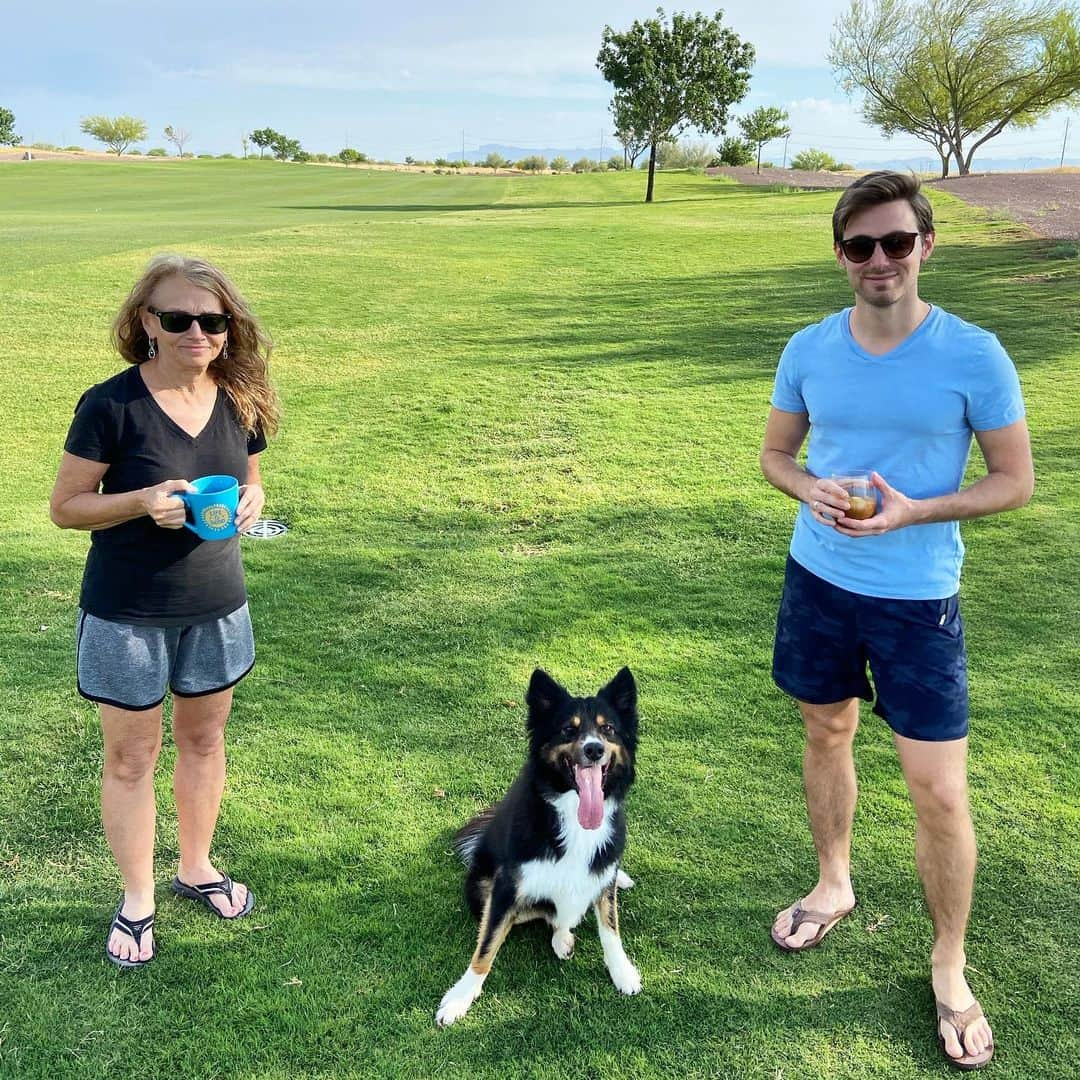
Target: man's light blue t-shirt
910,415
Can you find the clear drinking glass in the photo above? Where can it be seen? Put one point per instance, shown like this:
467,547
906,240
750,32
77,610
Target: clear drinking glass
862,494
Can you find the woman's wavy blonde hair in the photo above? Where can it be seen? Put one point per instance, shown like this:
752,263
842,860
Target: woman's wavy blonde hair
244,373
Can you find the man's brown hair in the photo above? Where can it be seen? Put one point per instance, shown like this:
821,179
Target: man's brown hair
879,187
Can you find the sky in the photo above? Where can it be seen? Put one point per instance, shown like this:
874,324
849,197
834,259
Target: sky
409,78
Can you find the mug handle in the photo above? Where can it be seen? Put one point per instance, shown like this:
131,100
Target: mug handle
189,517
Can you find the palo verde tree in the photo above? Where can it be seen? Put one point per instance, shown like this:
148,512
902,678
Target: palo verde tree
670,75
178,137
117,133
957,73
7,128
762,126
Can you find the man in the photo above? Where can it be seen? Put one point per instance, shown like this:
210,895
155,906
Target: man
900,386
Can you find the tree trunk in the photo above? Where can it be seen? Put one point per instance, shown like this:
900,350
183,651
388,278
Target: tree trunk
944,164
759,158
652,171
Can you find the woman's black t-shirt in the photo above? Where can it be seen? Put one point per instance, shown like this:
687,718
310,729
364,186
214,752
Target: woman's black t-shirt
137,571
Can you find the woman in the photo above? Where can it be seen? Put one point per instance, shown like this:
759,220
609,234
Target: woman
161,609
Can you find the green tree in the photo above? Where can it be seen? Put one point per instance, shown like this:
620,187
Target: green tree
349,156
633,146
560,164
533,163
673,74
735,151
7,128
264,138
177,136
495,161
762,126
814,161
583,165
957,73
284,148
116,133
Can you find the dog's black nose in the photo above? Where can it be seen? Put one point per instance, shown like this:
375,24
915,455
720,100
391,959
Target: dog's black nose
594,751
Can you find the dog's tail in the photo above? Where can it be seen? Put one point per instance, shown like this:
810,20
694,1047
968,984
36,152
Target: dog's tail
467,838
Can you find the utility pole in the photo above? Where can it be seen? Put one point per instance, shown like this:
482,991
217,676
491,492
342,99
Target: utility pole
462,144
1061,163
786,137
601,144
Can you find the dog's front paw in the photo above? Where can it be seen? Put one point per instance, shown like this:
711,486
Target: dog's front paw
626,977
623,880
562,943
458,999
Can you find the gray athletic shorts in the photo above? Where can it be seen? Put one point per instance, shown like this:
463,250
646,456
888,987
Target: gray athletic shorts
131,666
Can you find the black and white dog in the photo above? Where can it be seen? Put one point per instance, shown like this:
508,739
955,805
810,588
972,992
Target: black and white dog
552,846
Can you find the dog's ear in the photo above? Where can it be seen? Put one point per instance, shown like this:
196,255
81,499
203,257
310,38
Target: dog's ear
622,693
543,696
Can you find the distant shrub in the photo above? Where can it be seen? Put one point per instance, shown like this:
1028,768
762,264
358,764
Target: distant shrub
302,156
410,160
814,161
533,163
322,159
138,153
583,165
187,154
461,163
844,166
1064,251
735,151
688,155
74,150
442,163
204,157
559,164
767,165
157,151
616,163
43,146
226,157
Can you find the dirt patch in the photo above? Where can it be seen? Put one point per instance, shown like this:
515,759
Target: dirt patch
1047,202
797,178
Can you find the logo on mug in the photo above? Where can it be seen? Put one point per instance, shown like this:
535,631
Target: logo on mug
216,517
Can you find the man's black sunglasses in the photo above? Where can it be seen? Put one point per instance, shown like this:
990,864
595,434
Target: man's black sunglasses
176,322
896,245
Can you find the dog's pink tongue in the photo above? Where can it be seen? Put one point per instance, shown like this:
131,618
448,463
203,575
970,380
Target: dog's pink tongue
589,782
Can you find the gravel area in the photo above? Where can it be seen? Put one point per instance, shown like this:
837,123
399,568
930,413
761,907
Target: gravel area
1047,202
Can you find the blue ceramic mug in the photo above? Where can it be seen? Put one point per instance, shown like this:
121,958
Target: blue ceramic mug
211,507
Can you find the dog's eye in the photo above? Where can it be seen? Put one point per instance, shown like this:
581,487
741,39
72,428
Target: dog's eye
607,729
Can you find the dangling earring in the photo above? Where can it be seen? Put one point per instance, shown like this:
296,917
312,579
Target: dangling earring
225,350
151,351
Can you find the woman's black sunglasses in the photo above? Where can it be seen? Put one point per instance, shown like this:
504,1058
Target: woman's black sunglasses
176,322
896,245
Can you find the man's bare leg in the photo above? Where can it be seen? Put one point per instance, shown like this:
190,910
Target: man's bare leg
936,775
831,790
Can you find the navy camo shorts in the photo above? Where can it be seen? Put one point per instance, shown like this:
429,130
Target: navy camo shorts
827,638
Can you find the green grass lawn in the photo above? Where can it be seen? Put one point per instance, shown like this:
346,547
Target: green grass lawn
522,426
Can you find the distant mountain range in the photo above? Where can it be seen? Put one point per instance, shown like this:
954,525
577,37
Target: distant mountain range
926,163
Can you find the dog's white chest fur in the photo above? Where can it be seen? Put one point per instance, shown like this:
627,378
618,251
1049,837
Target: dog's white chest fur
567,882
